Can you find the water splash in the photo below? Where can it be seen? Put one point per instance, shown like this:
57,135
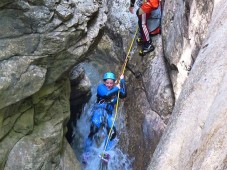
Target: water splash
118,159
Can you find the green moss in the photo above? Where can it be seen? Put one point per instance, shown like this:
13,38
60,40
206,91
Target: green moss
25,122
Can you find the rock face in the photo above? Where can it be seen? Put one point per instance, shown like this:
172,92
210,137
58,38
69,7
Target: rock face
80,93
184,27
150,97
194,48
196,134
148,106
40,42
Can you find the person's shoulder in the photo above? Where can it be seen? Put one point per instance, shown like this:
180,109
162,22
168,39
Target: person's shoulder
101,86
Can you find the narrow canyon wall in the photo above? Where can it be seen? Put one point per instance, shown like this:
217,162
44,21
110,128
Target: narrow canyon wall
196,134
184,27
40,42
150,97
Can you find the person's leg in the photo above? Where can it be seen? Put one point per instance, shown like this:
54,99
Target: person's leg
88,143
113,132
109,125
147,43
142,21
93,130
139,39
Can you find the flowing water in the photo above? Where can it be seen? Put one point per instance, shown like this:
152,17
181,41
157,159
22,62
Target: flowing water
118,159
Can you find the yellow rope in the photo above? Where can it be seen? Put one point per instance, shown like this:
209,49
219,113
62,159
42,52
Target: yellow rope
128,54
116,107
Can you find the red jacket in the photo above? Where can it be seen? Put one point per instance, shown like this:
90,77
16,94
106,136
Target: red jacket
149,5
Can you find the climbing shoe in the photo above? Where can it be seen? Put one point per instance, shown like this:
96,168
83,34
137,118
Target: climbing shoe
146,48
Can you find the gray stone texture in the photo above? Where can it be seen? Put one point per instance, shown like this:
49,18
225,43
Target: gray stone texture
149,104
150,98
185,25
40,42
195,137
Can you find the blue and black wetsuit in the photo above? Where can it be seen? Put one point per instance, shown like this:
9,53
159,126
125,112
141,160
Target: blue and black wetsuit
106,99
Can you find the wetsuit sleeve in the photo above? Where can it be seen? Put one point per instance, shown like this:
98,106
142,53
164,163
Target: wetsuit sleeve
105,93
123,91
132,2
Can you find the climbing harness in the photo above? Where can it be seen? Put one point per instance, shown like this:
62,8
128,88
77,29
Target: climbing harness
103,155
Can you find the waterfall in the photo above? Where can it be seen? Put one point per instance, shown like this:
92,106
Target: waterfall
118,159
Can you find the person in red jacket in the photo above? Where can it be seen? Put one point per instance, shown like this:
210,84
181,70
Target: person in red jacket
143,13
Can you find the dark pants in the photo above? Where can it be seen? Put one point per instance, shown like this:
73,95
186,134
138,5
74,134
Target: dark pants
113,132
94,129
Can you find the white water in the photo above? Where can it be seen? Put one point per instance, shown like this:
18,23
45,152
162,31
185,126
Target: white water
118,160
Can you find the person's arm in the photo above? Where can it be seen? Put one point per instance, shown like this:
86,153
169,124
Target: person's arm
132,2
105,93
123,91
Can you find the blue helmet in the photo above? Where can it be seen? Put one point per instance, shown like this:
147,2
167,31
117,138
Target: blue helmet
109,75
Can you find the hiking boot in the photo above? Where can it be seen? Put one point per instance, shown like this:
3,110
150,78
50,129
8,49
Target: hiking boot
146,48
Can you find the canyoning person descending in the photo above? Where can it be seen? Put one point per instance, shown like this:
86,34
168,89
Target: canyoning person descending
103,109
149,20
